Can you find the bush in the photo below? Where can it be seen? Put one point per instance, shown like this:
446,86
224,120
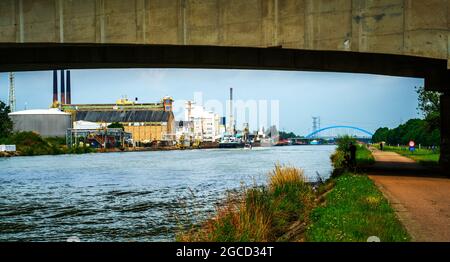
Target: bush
282,176
363,155
116,125
31,143
338,159
6,125
57,141
80,150
260,213
343,143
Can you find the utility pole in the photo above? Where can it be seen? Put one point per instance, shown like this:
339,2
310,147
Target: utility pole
12,93
316,124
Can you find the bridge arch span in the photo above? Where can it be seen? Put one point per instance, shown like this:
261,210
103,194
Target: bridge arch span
339,126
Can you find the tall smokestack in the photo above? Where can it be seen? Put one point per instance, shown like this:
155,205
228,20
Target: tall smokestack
63,89
68,95
231,126
55,86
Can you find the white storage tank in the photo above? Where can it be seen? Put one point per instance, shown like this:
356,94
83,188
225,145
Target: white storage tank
47,122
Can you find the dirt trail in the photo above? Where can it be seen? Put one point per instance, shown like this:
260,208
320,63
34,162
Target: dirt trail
420,198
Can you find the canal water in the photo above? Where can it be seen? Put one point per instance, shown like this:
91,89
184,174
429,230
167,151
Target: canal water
133,196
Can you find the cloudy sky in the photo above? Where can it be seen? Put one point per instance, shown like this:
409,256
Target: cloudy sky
366,101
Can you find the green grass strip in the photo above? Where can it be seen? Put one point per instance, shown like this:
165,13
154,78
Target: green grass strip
355,210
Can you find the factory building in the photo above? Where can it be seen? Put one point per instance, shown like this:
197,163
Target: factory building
206,125
46,122
184,131
147,122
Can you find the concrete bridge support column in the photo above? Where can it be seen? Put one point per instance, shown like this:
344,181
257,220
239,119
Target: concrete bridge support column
445,133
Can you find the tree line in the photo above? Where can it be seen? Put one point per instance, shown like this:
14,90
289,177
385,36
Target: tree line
424,131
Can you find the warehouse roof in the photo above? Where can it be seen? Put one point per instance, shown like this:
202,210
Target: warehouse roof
123,116
51,111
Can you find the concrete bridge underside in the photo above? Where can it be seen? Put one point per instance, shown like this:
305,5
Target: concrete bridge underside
389,37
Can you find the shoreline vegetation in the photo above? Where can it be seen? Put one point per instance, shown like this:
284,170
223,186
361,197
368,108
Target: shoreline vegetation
32,144
346,207
259,214
353,211
29,143
423,156
364,156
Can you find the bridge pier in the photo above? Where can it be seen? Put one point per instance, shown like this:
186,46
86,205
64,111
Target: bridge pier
445,132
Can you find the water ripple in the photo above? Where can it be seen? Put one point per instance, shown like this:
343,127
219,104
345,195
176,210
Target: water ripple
137,196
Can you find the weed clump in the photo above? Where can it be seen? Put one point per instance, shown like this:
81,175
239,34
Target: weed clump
259,213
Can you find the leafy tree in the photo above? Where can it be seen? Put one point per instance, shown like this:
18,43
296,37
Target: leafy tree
6,124
380,135
285,135
423,131
116,125
343,143
413,129
429,106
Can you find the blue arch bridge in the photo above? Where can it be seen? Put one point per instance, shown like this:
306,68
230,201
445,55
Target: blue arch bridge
329,135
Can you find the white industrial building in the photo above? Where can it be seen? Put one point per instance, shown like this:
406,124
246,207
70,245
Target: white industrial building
206,125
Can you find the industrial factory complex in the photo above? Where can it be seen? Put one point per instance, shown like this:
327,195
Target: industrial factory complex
145,122
128,123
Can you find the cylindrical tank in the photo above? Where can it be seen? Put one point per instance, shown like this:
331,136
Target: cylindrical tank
47,122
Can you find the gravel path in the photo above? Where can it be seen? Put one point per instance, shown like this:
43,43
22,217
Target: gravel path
420,198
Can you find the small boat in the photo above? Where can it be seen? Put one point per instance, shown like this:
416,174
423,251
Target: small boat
248,146
231,142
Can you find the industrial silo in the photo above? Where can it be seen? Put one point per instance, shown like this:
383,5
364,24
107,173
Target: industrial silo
47,122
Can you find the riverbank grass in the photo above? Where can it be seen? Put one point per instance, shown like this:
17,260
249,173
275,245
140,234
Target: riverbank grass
353,208
353,211
422,156
347,208
31,144
364,158
259,213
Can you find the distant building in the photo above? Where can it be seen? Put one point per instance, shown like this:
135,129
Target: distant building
46,122
98,138
206,124
222,125
81,124
185,130
146,122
